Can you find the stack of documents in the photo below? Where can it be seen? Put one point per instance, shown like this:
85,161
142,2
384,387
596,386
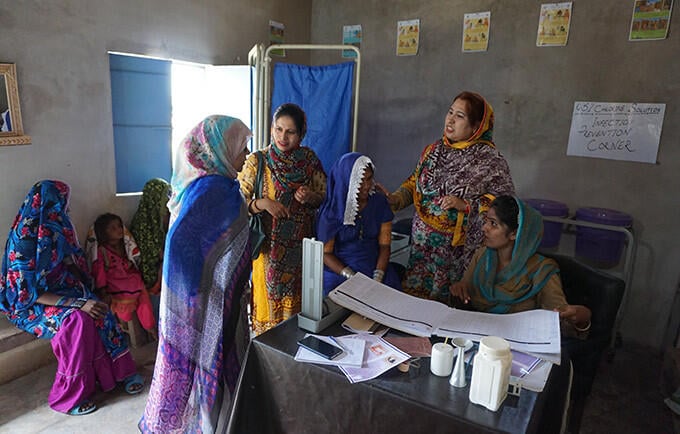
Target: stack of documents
535,331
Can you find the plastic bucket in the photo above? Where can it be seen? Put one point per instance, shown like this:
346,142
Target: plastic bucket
552,231
601,247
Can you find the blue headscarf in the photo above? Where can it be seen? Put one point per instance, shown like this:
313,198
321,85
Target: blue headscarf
525,275
340,206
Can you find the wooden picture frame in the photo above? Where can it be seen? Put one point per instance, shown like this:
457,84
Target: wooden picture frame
11,127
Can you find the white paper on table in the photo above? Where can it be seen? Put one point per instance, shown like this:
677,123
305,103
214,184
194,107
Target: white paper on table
536,331
379,356
388,306
352,354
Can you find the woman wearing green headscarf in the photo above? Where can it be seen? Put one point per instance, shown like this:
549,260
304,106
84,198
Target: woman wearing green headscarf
149,227
507,275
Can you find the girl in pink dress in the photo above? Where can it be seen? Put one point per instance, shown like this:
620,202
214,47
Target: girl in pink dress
117,279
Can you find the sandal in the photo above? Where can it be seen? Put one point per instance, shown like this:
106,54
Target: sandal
134,384
85,407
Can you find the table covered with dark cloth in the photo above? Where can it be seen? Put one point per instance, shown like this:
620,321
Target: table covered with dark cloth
276,394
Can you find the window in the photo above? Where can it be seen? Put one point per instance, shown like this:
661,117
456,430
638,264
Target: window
156,102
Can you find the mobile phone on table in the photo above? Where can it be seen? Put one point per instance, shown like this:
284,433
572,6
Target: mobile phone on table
317,346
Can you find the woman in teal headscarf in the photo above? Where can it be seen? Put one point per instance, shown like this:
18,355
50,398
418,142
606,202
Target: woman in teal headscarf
507,275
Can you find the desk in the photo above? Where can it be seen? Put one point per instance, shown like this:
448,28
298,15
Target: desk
276,394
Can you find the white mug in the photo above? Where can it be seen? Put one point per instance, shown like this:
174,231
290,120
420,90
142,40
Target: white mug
441,363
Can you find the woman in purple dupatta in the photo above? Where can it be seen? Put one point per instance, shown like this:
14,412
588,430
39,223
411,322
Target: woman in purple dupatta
355,225
44,291
203,324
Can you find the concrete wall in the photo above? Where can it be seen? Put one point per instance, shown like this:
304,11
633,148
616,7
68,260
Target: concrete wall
60,49
404,99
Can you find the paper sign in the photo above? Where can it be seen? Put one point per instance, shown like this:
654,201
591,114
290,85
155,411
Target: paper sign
351,35
616,131
650,19
276,37
408,35
476,32
553,24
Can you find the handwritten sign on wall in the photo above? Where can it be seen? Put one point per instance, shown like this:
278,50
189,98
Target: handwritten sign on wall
617,131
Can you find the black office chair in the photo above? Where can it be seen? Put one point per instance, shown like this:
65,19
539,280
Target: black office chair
602,293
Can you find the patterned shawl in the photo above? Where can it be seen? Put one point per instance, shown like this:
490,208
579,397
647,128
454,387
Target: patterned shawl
208,149
148,227
203,333
39,243
40,238
289,170
527,272
482,164
340,207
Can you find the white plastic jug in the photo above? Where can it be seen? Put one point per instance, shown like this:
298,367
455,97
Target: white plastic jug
491,372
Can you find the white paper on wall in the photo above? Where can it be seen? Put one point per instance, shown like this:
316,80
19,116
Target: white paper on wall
616,131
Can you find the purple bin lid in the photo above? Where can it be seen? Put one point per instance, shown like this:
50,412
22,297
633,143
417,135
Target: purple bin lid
604,216
549,207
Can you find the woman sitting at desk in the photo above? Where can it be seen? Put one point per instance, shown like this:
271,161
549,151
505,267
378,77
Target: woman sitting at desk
507,275
355,225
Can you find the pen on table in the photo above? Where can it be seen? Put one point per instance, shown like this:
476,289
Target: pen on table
341,346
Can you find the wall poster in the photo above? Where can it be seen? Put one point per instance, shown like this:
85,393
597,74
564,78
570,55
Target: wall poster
351,35
650,20
408,36
476,32
553,24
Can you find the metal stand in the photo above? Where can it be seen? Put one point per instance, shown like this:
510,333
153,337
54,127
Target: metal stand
626,273
314,317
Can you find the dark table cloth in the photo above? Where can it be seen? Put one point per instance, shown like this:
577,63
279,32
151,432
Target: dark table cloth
276,394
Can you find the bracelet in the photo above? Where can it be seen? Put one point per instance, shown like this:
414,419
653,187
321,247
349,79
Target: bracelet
584,329
255,207
378,275
467,207
347,272
61,301
78,303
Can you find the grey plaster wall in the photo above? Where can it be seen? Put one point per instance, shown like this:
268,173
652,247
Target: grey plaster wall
403,101
60,49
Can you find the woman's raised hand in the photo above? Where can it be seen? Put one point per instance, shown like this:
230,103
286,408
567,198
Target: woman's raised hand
461,290
452,202
392,200
306,196
96,309
276,209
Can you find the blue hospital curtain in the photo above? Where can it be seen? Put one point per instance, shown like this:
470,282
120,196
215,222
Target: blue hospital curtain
325,94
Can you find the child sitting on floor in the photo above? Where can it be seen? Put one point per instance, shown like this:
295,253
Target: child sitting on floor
117,279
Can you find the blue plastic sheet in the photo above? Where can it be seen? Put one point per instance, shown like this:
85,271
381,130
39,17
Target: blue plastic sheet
325,94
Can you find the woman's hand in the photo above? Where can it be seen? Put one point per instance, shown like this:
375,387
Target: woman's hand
461,290
576,314
452,202
276,209
391,199
96,309
306,196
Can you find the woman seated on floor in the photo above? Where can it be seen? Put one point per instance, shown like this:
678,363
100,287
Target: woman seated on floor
44,291
355,225
507,275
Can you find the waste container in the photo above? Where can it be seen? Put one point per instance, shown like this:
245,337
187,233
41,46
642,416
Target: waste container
601,247
552,231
